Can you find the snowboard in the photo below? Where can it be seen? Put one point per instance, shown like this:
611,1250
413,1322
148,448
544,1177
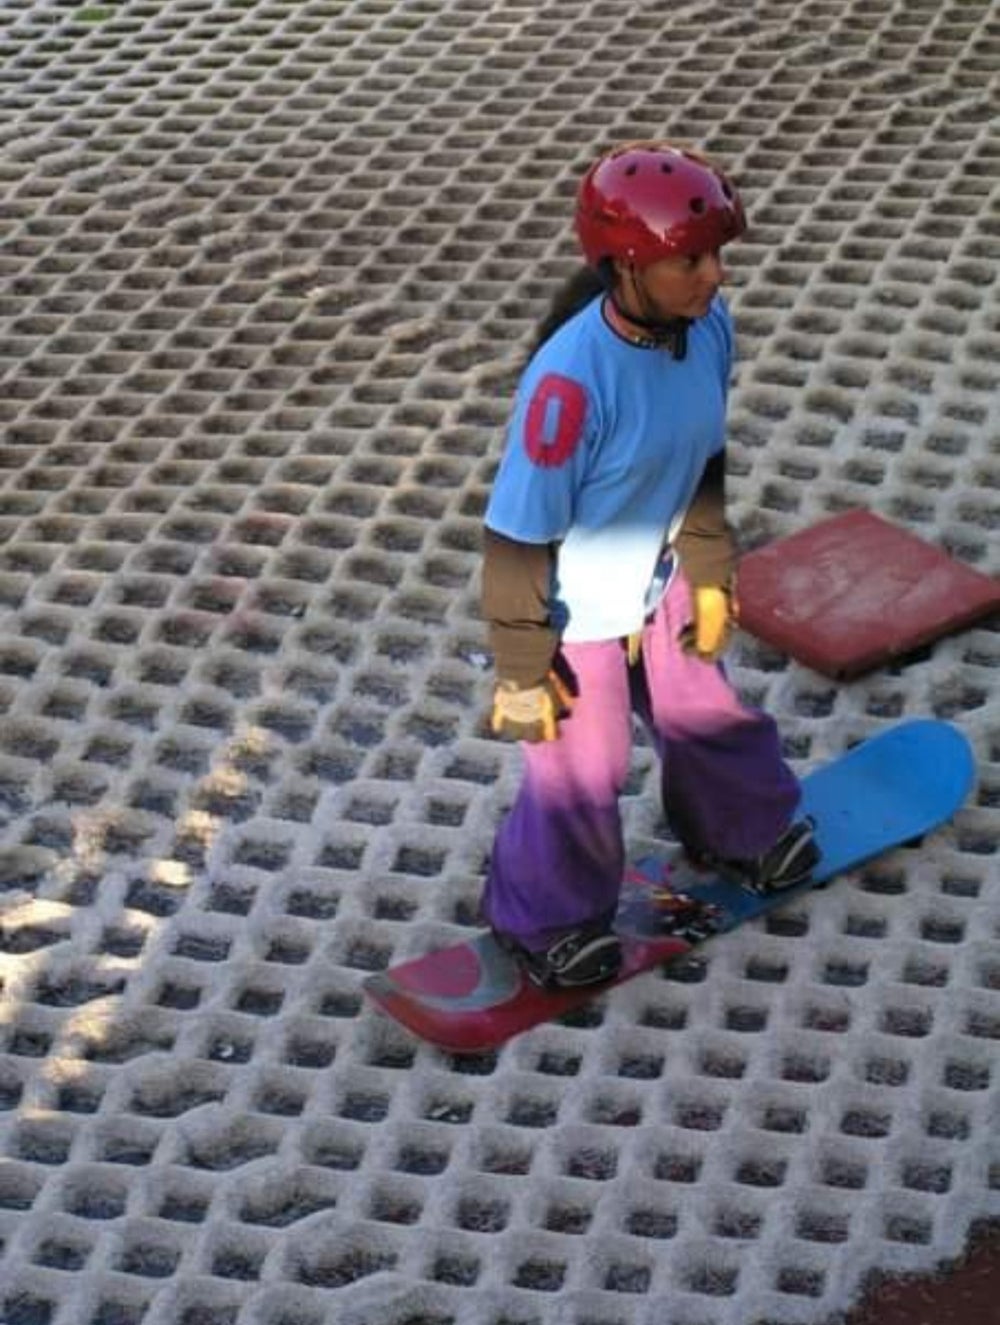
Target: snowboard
886,792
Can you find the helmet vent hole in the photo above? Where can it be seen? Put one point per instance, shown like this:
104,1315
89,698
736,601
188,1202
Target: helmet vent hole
630,170
666,168
727,190
697,205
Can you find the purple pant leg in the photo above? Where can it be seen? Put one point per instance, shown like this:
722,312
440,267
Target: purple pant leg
558,856
726,787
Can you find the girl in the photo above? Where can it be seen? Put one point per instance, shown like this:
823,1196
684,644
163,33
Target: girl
608,575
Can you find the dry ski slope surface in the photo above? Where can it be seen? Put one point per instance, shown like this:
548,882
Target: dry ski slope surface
269,268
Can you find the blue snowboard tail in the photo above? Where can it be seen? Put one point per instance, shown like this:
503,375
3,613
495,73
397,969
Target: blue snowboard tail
887,791
893,788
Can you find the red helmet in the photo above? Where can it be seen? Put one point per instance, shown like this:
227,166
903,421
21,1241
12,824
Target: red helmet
647,201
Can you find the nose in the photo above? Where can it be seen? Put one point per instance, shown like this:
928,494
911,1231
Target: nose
715,269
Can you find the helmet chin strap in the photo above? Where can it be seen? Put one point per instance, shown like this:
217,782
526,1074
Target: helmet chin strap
663,333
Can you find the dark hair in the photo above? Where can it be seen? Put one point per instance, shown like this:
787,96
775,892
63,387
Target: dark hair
578,290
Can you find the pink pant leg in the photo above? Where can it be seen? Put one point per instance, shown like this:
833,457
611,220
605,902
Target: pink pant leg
558,856
725,785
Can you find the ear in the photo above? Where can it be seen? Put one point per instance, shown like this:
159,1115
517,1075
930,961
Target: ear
629,278
619,270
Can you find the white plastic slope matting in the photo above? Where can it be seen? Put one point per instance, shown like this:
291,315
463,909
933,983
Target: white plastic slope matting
269,269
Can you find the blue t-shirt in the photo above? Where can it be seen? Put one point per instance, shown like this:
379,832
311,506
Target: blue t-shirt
605,449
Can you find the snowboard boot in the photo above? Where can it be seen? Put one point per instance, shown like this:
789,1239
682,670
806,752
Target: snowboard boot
789,862
585,956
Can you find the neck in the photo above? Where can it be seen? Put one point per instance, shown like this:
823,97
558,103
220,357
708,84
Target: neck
646,332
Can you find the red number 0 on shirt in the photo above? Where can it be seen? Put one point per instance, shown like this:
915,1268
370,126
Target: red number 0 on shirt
553,425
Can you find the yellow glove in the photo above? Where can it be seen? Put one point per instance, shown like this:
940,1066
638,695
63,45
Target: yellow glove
530,714
707,636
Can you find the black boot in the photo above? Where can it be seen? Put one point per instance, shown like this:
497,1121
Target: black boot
789,862
586,956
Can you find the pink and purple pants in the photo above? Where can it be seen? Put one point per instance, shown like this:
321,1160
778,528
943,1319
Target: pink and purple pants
558,856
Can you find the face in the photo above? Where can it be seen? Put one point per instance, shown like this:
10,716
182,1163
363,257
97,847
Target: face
676,287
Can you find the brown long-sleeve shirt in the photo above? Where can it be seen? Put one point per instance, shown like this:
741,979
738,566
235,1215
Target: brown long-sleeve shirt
517,580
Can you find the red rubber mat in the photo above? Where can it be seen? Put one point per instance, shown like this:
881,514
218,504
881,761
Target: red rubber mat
856,591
